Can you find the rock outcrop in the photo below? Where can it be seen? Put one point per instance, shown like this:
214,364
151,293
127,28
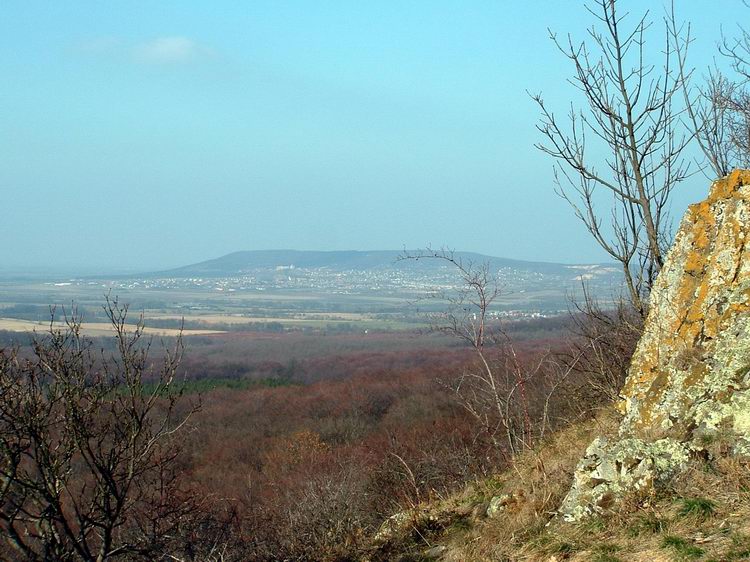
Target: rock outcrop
689,380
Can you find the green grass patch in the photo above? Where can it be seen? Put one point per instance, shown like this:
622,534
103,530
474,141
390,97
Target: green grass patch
606,553
560,547
593,524
486,489
493,483
202,386
648,524
681,547
460,524
605,557
740,549
701,508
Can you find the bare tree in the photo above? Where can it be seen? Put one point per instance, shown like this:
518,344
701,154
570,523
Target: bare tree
87,448
719,109
495,391
625,142
712,110
466,316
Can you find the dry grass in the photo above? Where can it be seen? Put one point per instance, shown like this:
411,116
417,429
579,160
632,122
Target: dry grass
537,483
301,317
92,329
534,486
703,515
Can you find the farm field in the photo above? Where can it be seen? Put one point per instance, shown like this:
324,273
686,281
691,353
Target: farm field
199,312
24,306
92,329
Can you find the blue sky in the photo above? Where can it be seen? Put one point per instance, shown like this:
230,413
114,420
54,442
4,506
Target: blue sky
137,135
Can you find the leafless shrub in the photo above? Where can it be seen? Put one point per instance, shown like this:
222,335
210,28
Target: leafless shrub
88,448
602,345
509,396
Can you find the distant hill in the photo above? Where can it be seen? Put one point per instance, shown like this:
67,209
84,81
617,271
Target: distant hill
239,263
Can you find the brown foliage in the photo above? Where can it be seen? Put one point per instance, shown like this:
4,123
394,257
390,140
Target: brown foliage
309,469
87,454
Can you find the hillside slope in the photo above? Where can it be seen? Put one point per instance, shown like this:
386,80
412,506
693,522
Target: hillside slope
704,514
240,262
666,477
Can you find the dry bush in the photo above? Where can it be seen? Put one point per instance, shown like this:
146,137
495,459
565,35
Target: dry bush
603,343
534,485
511,395
701,514
320,516
88,450
427,463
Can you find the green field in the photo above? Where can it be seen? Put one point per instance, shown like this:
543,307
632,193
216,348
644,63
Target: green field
26,307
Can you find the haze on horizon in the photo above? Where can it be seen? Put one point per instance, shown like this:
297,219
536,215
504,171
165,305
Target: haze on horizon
152,135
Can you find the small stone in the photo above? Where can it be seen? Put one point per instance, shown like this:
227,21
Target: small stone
435,552
498,504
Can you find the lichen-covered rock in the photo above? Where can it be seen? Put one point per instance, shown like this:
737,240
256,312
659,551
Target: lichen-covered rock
498,504
690,375
608,470
394,525
694,354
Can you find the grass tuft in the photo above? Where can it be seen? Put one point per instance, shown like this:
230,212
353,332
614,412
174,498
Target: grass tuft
740,549
697,507
648,524
562,547
605,557
681,547
606,553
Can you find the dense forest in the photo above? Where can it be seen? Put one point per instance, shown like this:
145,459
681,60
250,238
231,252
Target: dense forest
289,446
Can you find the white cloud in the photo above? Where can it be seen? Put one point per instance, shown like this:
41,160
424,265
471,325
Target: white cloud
169,50
157,51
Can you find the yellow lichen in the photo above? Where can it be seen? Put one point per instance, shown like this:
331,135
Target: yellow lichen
686,312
